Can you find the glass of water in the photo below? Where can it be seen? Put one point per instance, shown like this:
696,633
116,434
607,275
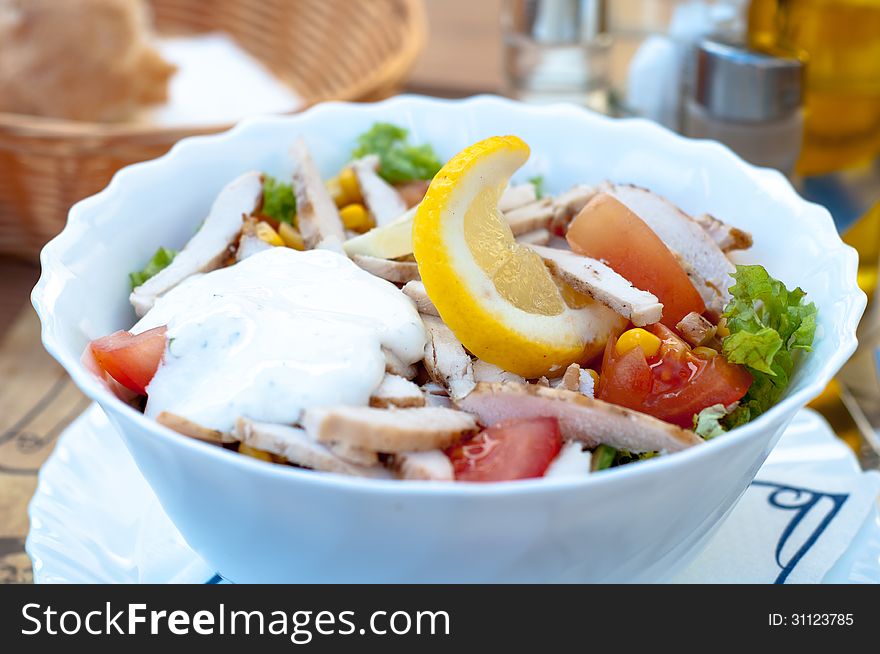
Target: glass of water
556,51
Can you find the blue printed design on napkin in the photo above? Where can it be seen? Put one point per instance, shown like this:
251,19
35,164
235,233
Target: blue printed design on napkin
803,502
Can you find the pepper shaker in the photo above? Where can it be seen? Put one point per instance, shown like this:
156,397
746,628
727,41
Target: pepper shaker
750,101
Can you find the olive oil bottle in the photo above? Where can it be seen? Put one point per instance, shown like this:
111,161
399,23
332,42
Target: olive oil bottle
864,236
839,41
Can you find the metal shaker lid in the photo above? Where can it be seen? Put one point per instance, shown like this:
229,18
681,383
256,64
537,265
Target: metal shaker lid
737,84
556,21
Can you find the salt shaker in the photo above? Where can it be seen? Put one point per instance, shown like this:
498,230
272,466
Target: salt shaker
556,51
750,101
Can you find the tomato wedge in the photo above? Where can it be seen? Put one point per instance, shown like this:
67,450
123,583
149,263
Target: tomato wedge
513,449
674,385
130,359
606,229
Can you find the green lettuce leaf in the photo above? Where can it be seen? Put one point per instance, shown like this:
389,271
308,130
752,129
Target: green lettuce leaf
622,457
160,260
606,456
399,161
768,325
279,201
603,457
707,423
754,349
538,182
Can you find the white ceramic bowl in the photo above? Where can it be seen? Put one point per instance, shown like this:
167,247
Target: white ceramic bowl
258,522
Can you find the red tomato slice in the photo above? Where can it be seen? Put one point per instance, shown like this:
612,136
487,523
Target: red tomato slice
625,379
674,385
514,449
131,359
606,229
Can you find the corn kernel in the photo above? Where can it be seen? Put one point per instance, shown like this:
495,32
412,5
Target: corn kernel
265,233
356,217
638,337
351,190
722,329
255,453
334,188
705,352
291,236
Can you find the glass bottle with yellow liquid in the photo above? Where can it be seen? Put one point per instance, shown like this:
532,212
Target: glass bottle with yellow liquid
839,40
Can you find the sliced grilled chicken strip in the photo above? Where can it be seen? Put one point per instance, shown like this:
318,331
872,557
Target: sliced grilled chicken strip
389,430
413,192
446,360
209,248
592,277
382,199
536,237
572,461
489,372
293,444
727,238
436,395
395,366
433,388
189,428
416,292
516,196
705,263
528,218
569,204
586,385
432,465
318,220
571,380
249,245
695,329
395,391
352,454
397,272
580,418
443,401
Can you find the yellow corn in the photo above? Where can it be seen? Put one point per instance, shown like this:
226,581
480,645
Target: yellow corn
349,187
291,236
252,451
356,217
265,233
638,337
334,188
705,352
722,329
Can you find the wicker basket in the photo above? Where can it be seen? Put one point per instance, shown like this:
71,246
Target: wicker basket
325,50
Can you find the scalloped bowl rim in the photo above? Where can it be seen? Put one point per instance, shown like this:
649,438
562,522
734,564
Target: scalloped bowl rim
822,222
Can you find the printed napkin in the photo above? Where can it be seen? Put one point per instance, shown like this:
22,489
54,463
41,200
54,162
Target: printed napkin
803,511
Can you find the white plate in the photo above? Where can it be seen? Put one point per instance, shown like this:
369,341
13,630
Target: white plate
95,519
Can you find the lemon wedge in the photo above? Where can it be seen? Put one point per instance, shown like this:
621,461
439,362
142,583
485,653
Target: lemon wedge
496,295
386,242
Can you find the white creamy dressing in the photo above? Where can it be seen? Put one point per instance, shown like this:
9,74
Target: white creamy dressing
278,332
